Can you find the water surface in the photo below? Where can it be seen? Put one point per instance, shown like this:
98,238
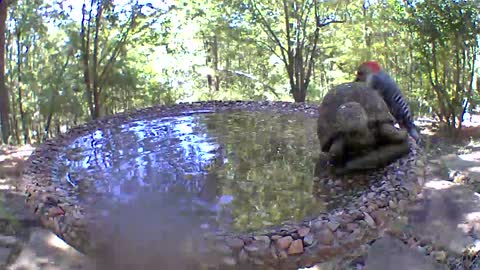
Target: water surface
247,169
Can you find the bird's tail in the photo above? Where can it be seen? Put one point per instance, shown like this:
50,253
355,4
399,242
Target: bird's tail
412,131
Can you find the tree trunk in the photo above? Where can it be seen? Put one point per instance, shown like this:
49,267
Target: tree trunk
366,35
14,122
215,63
96,88
85,36
53,100
4,96
19,87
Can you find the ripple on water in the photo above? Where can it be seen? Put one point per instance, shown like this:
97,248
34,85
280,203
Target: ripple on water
247,169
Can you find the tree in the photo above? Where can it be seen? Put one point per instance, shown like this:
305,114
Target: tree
104,37
448,40
297,40
4,94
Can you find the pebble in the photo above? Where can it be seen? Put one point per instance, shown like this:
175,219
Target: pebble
284,242
379,217
273,252
402,204
282,254
325,237
263,239
419,163
392,204
333,226
253,247
275,237
235,243
440,256
308,239
296,247
302,232
422,250
243,256
351,227
318,224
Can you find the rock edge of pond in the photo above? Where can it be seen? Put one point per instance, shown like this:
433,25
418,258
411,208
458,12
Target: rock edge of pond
333,234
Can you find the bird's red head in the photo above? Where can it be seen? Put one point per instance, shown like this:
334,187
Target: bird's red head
374,66
367,68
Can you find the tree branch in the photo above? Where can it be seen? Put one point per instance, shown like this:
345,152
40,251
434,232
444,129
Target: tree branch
271,33
323,24
250,77
270,48
119,45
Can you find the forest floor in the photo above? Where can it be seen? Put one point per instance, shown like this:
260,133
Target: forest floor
447,212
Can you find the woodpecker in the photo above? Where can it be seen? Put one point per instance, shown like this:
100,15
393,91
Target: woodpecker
372,73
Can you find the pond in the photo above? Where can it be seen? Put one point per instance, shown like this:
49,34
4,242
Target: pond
240,170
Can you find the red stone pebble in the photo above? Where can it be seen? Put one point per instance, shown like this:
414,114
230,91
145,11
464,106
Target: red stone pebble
296,247
284,242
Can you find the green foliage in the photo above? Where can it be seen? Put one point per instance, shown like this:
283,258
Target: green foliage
446,40
167,52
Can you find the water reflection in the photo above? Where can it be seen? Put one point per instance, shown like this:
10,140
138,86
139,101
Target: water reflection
251,168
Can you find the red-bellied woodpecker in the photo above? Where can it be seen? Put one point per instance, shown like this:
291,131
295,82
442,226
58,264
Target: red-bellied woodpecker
372,73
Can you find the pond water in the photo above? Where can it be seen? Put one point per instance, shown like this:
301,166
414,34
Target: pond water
247,169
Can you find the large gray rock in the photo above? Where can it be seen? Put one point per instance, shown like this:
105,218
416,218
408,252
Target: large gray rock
356,130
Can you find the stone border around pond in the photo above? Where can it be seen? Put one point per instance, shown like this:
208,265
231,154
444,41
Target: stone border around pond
333,234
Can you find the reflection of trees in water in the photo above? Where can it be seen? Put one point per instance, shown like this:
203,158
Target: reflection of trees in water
269,168
157,156
264,160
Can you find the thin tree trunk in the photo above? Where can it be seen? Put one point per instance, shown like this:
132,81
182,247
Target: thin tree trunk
53,100
96,90
366,36
215,62
19,87
85,35
4,95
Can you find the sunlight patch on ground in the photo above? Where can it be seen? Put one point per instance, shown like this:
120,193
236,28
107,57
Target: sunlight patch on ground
55,241
475,156
11,165
438,185
473,143
19,153
476,246
474,169
427,132
474,216
7,187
